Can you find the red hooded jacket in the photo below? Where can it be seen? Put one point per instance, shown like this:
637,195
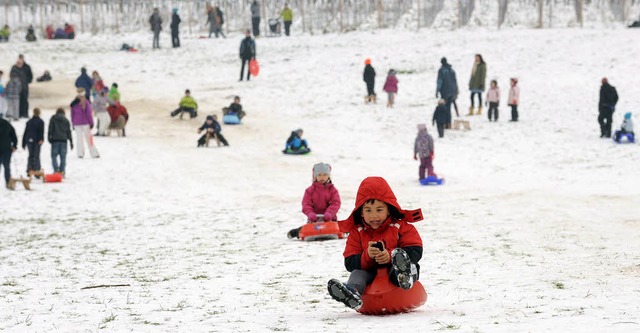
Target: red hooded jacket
393,233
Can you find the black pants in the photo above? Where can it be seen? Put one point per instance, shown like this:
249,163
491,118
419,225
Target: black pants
255,24
5,162
156,39
24,103
175,38
493,111
370,91
33,163
179,110
604,119
245,60
203,139
440,129
514,112
287,26
479,99
449,102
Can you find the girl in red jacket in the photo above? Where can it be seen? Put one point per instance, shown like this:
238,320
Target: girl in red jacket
380,235
321,198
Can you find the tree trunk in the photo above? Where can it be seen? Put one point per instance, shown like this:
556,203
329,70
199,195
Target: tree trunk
418,16
539,14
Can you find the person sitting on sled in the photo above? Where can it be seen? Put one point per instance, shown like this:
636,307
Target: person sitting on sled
235,108
212,128
295,142
321,198
187,104
380,235
626,128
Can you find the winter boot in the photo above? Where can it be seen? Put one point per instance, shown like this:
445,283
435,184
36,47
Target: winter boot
344,293
470,111
293,233
403,268
367,99
479,110
374,98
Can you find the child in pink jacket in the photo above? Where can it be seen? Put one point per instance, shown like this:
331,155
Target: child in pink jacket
321,200
514,98
493,98
391,87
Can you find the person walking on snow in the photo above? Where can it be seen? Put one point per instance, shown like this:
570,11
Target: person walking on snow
82,120
391,87
369,77
23,70
447,87
85,82
514,98
33,138
247,52
175,28
8,144
156,26
287,17
255,18
476,82
606,107
12,94
58,134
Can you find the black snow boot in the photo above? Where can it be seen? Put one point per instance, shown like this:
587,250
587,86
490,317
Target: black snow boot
344,293
293,233
402,266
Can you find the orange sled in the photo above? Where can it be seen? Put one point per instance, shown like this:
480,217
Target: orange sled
381,297
53,178
320,231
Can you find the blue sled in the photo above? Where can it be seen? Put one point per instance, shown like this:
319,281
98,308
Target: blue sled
432,180
618,137
231,119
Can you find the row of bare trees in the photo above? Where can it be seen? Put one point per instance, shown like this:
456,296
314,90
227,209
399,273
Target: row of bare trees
314,16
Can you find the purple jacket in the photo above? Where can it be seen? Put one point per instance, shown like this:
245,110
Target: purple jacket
391,85
320,199
80,116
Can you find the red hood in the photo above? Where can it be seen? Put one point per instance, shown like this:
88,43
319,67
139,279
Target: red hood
377,188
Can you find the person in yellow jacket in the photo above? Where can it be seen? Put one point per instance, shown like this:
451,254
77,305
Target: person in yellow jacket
187,104
287,17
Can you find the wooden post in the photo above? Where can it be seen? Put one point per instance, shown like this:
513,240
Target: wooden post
540,14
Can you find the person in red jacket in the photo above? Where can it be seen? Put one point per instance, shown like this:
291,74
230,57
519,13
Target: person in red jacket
321,198
380,235
119,118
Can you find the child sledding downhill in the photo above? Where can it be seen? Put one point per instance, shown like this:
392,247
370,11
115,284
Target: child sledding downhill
296,144
212,130
321,200
187,104
379,236
234,108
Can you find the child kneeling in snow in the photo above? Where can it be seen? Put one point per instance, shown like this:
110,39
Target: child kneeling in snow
379,236
321,198
212,129
626,128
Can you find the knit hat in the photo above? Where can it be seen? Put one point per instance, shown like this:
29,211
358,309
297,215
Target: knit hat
422,127
367,61
627,115
319,168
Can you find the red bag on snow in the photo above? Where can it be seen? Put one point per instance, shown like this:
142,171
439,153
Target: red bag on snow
254,67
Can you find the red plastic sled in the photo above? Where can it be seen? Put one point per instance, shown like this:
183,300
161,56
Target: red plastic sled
53,178
320,231
382,297
254,67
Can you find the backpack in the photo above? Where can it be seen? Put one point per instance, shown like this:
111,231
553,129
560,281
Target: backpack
221,16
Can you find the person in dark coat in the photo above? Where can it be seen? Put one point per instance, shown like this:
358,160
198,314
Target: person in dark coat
247,52
235,108
440,117
8,144
85,82
26,76
369,77
31,34
156,26
255,18
447,87
58,134
606,107
175,29
32,139
212,128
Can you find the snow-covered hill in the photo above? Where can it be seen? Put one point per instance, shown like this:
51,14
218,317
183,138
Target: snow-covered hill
535,230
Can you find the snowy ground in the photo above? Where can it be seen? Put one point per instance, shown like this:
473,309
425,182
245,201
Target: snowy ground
536,228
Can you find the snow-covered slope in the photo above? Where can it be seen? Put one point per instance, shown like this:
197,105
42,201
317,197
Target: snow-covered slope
535,230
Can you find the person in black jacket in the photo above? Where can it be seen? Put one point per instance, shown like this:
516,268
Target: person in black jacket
369,76
175,32
247,52
606,107
32,139
8,144
59,133
212,129
235,108
23,70
440,117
